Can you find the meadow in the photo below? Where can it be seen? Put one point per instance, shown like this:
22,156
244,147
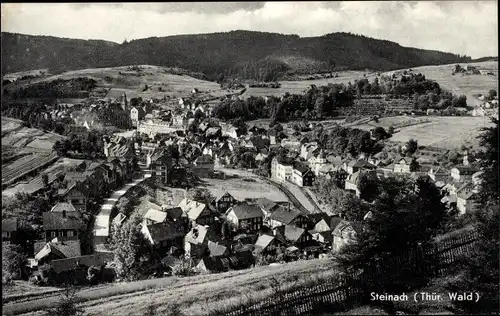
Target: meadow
243,186
160,82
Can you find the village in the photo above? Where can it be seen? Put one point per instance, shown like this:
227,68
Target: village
181,146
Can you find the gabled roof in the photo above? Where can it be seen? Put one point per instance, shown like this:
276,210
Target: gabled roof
439,170
467,195
63,206
9,225
56,221
466,170
266,204
175,212
204,159
216,249
63,249
360,163
118,220
192,208
262,242
165,231
245,211
155,215
291,233
344,224
201,235
96,259
72,185
285,215
303,170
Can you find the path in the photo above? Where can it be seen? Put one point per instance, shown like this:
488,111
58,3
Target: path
296,193
102,220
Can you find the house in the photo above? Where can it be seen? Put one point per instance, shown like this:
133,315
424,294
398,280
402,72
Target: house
154,216
462,173
261,156
213,132
357,165
479,112
164,235
137,114
291,143
466,201
76,195
244,215
229,130
402,165
9,230
200,213
345,233
306,150
352,181
197,239
287,216
438,174
302,176
239,260
318,163
292,234
222,201
281,168
266,244
62,221
203,166
266,205
216,249
324,237
118,220
56,249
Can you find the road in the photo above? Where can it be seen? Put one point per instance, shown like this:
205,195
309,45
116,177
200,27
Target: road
296,193
101,222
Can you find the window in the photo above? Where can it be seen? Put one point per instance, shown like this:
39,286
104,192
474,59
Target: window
52,234
70,233
61,234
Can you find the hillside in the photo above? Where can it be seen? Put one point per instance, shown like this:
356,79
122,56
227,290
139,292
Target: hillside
216,55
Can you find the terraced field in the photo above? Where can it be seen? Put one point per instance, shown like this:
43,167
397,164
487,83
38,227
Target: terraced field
25,165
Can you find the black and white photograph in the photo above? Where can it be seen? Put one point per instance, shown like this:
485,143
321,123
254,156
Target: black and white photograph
250,158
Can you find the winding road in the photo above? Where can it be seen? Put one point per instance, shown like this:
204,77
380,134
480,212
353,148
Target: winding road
102,220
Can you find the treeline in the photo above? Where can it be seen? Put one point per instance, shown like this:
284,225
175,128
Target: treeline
244,54
114,115
91,147
59,88
316,103
343,141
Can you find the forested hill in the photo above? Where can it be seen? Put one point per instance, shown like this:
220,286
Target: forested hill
247,54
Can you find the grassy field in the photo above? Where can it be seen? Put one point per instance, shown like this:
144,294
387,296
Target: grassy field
244,186
469,85
190,294
122,79
32,139
24,288
445,132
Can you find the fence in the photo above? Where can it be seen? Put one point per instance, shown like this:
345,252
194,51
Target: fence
340,293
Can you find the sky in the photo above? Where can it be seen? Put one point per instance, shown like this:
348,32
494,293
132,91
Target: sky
460,27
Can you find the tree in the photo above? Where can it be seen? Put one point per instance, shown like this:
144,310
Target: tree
131,250
482,270
406,214
390,130
13,260
45,180
411,146
201,195
67,305
379,133
492,94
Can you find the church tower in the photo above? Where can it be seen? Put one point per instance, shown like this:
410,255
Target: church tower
124,102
